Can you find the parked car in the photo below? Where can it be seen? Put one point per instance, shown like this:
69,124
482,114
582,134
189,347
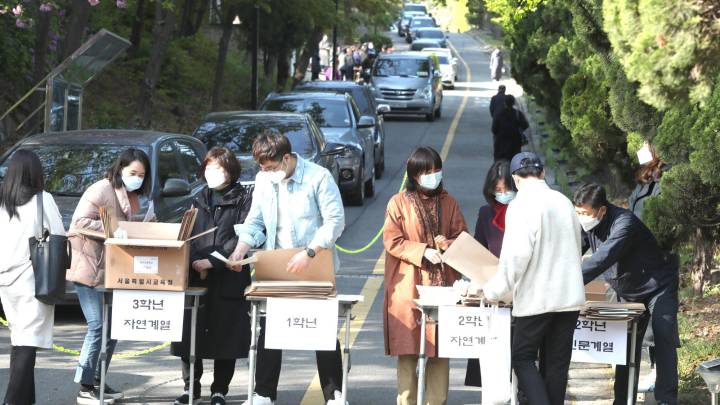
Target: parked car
417,23
237,130
365,101
420,44
404,21
416,7
340,120
448,65
74,160
432,33
409,83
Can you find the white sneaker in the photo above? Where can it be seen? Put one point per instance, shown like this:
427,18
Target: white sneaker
337,400
259,400
647,383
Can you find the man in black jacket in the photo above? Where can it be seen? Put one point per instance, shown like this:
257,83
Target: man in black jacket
644,273
497,102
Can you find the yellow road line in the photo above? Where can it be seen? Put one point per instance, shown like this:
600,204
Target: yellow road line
370,290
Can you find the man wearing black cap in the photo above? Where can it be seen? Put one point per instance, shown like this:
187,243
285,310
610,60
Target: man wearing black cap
643,273
540,272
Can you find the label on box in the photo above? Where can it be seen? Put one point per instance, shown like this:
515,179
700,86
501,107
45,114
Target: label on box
603,342
149,316
145,265
301,324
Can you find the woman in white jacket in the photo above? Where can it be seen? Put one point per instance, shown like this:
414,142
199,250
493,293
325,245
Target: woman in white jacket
30,321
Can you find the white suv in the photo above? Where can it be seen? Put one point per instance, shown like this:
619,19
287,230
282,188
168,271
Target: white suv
448,65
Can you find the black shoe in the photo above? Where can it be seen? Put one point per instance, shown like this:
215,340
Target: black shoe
217,399
109,392
184,399
91,397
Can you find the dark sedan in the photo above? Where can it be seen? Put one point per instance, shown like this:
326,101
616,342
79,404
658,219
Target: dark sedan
237,131
366,103
433,34
74,160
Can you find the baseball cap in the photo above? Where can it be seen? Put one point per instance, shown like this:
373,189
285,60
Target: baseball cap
523,160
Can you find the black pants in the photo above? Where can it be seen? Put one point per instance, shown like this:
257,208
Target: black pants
21,386
553,333
269,363
661,311
222,374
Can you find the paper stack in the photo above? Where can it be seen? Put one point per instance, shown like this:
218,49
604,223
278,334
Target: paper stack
187,224
291,289
612,312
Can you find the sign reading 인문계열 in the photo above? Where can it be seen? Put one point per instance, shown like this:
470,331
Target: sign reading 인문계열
603,342
301,324
464,331
149,316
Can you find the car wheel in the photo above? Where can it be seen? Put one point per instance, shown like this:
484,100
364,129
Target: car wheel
370,184
356,196
380,166
438,112
430,117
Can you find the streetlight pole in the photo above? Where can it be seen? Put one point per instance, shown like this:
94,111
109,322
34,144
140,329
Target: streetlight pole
334,52
255,46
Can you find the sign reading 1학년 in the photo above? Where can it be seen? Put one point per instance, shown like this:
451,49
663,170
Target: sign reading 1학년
149,316
603,342
301,324
464,331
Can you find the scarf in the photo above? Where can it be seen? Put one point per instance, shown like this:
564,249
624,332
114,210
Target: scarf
499,218
428,211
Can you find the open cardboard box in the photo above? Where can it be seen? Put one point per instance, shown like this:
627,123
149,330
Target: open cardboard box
154,256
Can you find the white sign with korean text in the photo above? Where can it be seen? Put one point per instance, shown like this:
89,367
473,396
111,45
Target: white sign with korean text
301,324
603,342
145,264
149,316
462,331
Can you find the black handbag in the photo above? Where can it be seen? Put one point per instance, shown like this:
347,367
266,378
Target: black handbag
50,256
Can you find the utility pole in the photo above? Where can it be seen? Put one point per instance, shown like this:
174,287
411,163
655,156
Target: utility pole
334,52
255,46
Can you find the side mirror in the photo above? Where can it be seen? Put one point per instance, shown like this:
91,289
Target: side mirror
176,188
383,109
332,149
366,122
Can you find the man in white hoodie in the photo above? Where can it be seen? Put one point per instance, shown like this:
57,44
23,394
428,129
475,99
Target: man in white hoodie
540,268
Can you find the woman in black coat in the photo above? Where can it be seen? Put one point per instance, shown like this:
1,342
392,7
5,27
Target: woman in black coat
223,325
507,128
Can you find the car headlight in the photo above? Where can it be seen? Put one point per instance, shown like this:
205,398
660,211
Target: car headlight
425,93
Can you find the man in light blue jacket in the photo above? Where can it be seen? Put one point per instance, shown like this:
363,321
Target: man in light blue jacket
296,204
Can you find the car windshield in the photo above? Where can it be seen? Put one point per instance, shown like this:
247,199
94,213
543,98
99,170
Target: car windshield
402,67
422,22
239,134
70,169
327,113
416,7
431,34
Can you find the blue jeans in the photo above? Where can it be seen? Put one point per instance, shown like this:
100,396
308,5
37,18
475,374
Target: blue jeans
91,302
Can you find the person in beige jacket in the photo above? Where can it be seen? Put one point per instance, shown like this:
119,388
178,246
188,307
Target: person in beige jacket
119,192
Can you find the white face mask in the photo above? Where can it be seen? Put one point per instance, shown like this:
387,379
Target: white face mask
587,222
506,197
431,181
215,177
644,155
132,183
275,176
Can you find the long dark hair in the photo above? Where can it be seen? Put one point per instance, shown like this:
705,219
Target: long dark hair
114,174
23,180
499,171
424,159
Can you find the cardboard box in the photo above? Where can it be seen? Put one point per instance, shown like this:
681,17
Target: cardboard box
155,256
595,291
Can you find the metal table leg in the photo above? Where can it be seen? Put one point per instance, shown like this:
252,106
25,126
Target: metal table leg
103,350
631,364
193,332
422,360
346,354
252,356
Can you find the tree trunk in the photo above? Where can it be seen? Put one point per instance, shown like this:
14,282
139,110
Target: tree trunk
200,11
76,26
310,50
162,35
227,30
271,57
703,260
283,69
185,26
137,27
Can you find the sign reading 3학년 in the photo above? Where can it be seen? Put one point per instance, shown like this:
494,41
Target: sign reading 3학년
603,342
149,316
464,331
301,324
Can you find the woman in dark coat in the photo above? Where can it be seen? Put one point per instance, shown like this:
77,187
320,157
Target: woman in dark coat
223,326
507,128
498,191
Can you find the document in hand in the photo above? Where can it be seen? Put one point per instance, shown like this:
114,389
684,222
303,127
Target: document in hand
472,259
271,265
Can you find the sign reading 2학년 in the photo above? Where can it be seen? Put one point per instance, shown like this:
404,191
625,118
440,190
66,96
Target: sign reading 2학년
464,331
603,342
149,316
301,324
